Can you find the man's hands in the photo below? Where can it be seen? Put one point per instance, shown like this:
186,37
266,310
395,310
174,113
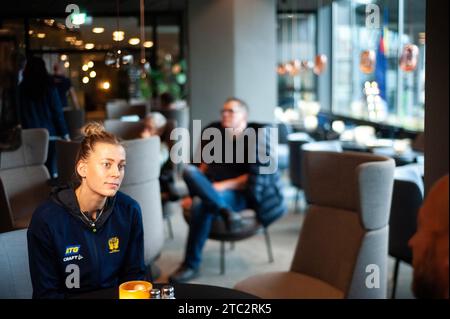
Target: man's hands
186,203
219,186
237,183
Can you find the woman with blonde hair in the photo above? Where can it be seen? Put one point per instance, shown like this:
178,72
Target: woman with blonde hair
88,235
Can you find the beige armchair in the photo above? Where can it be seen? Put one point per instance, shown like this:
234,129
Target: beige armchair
343,245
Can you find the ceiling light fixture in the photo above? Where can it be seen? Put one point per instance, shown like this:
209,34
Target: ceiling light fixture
117,57
118,35
79,18
148,44
106,85
98,30
134,41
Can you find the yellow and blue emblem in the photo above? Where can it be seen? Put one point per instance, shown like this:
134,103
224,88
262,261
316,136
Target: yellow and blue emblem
113,244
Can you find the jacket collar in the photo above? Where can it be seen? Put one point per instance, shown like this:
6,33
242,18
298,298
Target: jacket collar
65,197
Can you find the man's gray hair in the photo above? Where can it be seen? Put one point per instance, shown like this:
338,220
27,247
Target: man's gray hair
241,103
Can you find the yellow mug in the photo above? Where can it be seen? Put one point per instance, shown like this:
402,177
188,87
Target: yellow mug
137,289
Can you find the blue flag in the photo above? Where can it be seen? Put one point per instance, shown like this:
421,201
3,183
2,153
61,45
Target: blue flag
381,67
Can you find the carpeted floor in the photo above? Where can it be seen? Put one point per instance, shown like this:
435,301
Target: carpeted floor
249,256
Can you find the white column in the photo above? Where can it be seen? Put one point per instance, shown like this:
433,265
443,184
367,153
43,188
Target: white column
232,52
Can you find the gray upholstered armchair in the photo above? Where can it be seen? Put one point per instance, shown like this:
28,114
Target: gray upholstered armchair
23,180
116,110
15,280
124,130
343,245
141,182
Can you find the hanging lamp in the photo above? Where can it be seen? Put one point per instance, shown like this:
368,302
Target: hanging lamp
409,57
320,64
281,70
320,60
367,61
410,53
118,57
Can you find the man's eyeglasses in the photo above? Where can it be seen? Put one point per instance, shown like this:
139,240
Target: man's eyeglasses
230,111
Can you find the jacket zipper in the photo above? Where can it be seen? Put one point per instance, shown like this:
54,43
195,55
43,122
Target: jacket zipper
96,258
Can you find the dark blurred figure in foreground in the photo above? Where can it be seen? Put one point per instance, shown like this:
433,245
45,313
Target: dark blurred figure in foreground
430,244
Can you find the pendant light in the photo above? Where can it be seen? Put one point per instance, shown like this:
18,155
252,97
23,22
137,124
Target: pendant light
118,57
281,70
320,64
295,63
142,27
321,60
367,61
410,53
409,57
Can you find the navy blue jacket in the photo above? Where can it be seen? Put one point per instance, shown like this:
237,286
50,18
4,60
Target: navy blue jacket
265,190
45,112
107,252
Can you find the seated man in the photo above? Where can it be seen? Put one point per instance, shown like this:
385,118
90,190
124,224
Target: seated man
222,183
430,244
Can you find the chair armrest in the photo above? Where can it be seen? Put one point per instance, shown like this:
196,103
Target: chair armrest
6,219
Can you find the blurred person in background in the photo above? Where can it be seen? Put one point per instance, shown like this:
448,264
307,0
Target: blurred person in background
40,106
167,101
64,86
156,124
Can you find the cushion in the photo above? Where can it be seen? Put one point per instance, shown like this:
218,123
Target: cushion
138,151
344,186
328,245
376,180
15,280
148,196
26,188
33,150
288,285
124,130
116,110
